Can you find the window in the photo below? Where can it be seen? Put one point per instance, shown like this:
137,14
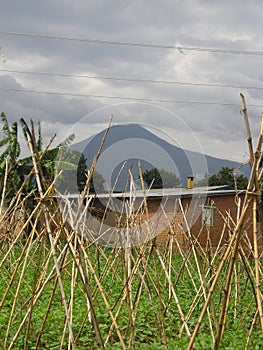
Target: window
208,215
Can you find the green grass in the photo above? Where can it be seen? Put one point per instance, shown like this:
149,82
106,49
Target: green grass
154,306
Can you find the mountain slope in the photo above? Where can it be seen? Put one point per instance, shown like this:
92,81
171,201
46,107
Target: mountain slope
132,142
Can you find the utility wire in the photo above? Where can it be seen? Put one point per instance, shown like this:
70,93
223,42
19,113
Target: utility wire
122,97
151,81
140,44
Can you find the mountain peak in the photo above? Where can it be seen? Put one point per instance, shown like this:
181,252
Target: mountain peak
151,150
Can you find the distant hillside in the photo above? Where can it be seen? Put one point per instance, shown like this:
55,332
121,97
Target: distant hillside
186,161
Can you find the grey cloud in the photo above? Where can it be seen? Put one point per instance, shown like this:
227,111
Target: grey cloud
42,106
225,24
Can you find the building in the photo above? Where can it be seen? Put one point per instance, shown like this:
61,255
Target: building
204,216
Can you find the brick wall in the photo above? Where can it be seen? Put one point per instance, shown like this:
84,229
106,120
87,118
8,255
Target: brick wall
167,218
225,210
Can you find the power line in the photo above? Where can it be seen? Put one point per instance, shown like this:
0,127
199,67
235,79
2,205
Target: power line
180,48
124,97
158,81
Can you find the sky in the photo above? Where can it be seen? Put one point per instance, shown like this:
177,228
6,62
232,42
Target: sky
176,67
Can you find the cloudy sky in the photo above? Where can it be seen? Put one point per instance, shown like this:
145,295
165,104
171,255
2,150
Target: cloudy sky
161,77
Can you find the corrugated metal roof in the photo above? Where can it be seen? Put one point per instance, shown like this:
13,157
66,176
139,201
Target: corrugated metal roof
166,192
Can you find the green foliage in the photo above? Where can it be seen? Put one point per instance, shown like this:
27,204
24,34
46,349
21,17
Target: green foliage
8,158
74,172
160,178
14,171
97,183
226,177
148,334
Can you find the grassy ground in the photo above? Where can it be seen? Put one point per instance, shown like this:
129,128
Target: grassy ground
141,292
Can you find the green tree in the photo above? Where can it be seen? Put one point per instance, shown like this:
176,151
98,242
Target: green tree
16,173
97,183
226,176
74,172
160,178
9,174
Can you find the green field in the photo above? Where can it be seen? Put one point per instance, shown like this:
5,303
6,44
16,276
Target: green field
138,297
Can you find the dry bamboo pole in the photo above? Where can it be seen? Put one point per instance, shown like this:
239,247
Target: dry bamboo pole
201,289
250,274
95,160
185,258
101,289
179,275
237,234
257,210
40,288
80,264
36,276
4,188
137,296
18,288
251,329
186,261
124,291
136,269
117,313
84,274
143,279
128,292
85,192
199,295
109,266
15,271
252,181
219,270
127,268
139,260
171,241
37,296
251,153
16,239
198,267
40,331
70,310
37,166
143,282
41,280
206,282
81,267
256,258
74,274
174,293
161,309
105,273
236,292
248,132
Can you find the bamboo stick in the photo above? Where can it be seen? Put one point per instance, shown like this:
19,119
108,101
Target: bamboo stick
39,185
248,132
174,294
219,270
256,258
